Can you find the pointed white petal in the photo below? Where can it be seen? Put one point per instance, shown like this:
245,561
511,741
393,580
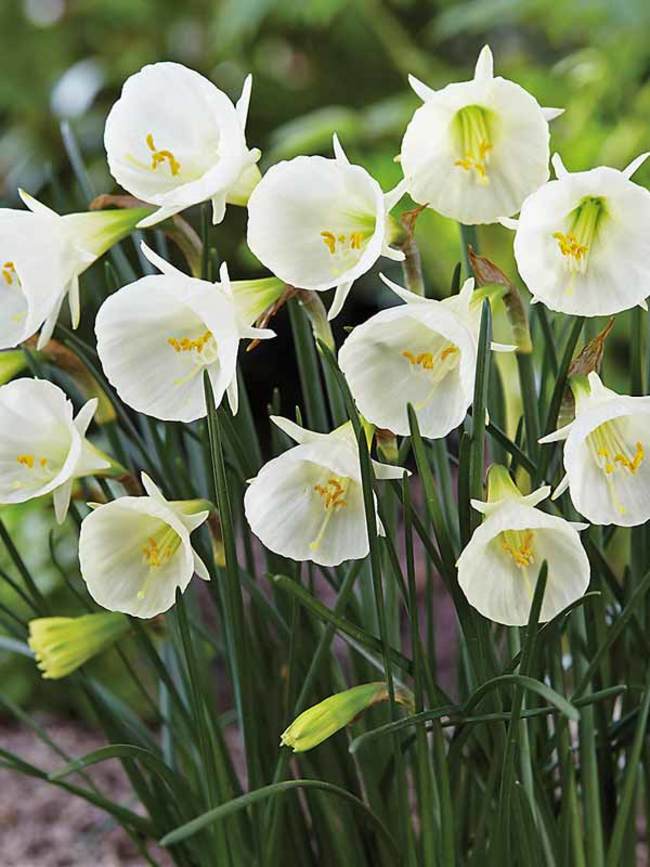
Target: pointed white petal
384,472
502,347
233,395
199,566
643,304
578,526
224,277
218,208
509,223
484,68
421,89
560,434
35,206
636,163
49,325
243,102
392,197
552,113
73,301
256,333
62,496
537,496
158,216
342,292
85,415
561,488
339,153
295,431
404,294
558,165
152,488
158,262
391,253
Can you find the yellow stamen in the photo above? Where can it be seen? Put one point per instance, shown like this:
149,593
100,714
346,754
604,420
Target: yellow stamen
161,156
342,242
473,135
576,242
9,272
519,545
333,494
26,460
187,344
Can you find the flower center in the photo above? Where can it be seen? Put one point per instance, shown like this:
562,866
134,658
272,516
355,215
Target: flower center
188,344
612,453
434,365
157,551
202,351
9,273
471,126
341,242
576,243
518,544
332,493
159,157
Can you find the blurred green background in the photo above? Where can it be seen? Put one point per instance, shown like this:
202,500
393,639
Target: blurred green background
318,67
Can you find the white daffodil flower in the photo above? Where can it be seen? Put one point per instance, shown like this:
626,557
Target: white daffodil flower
475,149
307,504
582,244
321,223
498,568
423,353
606,454
174,139
43,449
43,256
134,552
155,337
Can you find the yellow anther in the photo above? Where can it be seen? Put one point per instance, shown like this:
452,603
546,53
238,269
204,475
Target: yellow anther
426,360
342,242
333,494
9,272
187,344
161,156
631,465
519,545
472,127
570,246
158,554
26,460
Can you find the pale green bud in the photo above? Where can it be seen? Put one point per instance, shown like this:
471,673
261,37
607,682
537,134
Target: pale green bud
62,644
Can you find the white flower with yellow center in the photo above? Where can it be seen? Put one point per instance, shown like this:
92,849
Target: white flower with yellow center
174,139
43,448
157,336
607,454
135,552
423,353
475,149
582,244
321,223
498,568
307,504
42,255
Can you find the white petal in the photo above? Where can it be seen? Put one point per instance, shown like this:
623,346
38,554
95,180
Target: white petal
558,435
233,395
152,488
73,300
163,213
558,165
158,262
85,415
551,113
404,294
342,292
244,101
421,89
49,325
484,65
392,253
339,153
218,208
636,163
508,223
199,566
293,430
392,197
61,498
384,472
502,347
